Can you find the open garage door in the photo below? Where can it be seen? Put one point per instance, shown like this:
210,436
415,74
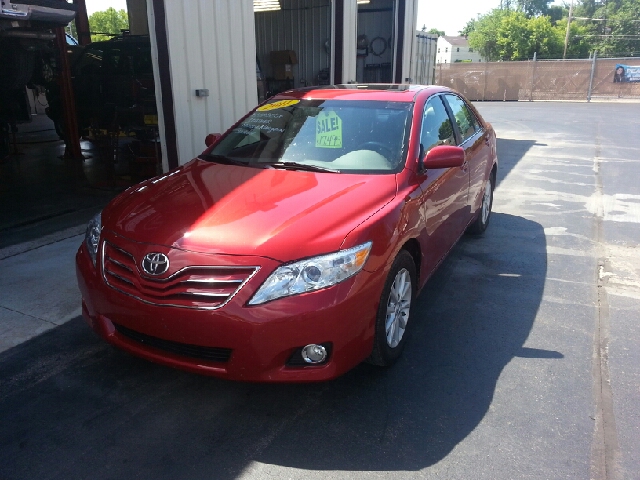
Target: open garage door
294,45
386,30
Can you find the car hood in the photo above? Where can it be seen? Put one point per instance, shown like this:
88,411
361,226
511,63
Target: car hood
235,210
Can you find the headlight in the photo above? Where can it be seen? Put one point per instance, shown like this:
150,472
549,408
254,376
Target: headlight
92,236
312,274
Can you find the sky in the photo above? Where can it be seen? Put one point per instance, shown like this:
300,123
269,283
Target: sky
451,15
100,5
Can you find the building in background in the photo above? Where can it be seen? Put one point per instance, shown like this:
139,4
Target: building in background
204,56
455,49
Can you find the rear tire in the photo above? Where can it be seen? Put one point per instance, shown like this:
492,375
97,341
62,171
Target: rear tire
484,212
398,296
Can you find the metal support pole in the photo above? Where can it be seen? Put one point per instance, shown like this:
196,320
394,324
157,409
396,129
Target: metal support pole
533,76
82,23
484,88
72,139
593,70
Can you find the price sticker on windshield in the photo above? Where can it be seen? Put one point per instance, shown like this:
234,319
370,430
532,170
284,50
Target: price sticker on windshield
328,130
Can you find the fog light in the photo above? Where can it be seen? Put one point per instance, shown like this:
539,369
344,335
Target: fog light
314,353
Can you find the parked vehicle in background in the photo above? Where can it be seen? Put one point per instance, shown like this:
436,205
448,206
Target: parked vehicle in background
113,86
26,38
293,248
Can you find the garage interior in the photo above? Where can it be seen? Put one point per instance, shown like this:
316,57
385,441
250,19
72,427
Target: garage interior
47,184
305,27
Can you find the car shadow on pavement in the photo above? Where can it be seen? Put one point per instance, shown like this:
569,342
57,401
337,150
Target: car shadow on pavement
510,151
72,406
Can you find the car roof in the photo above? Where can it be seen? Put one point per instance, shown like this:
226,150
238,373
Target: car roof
359,91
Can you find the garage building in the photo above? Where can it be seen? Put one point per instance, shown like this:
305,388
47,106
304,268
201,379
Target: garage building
204,56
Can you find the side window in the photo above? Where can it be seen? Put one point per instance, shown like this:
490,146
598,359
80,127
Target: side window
465,119
436,125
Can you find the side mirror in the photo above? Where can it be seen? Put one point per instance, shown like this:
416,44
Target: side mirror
211,139
444,156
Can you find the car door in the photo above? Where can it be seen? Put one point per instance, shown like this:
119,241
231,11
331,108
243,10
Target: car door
476,143
444,190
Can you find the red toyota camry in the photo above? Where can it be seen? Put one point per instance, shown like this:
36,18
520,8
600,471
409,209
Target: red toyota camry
293,248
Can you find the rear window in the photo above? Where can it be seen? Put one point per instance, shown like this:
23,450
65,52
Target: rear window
356,136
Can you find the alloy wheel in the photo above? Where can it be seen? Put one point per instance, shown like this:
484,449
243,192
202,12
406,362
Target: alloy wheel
486,202
398,307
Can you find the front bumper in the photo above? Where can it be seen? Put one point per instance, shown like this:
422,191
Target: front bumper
261,338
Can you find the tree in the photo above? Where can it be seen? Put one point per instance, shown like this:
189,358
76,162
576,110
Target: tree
580,44
510,35
556,13
612,27
110,22
544,39
484,37
621,27
468,28
435,31
533,8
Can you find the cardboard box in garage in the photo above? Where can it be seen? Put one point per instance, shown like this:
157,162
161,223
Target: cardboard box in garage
282,62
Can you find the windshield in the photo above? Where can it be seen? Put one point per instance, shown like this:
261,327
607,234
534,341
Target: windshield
331,135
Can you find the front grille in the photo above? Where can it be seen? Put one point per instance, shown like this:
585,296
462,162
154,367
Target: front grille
203,287
211,354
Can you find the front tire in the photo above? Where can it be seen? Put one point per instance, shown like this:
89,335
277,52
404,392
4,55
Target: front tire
394,311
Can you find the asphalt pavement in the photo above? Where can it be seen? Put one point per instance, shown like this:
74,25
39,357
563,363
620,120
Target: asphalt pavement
523,359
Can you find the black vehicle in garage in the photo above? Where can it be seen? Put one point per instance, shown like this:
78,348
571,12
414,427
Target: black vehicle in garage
113,86
26,50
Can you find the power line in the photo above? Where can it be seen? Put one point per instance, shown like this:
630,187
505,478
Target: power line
600,19
607,36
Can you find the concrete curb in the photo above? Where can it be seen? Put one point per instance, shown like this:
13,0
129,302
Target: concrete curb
14,250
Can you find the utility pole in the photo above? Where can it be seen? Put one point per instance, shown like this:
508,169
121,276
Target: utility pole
566,37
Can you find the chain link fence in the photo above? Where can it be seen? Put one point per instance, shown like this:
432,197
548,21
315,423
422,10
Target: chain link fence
539,80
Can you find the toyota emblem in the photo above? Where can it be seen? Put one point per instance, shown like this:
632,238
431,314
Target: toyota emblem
155,263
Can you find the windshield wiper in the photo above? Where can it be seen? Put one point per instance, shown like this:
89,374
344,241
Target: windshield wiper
301,166
223,159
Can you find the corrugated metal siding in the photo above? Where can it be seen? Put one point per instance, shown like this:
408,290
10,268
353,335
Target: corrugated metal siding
211,46
156,80
408,36
349,42
302,26
423,61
